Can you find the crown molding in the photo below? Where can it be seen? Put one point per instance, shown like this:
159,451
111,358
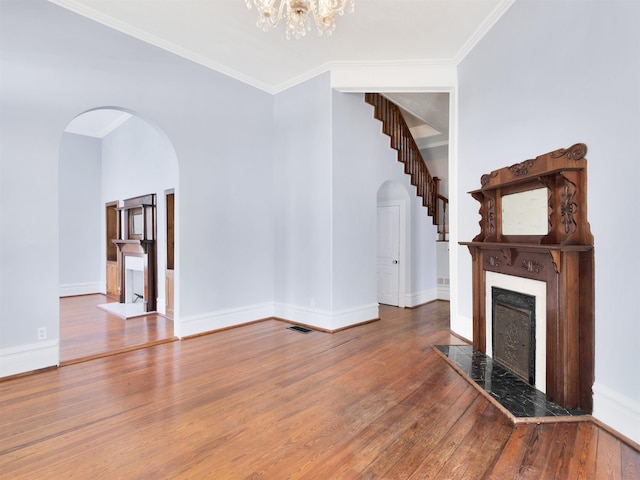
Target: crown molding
482,30
388,76
156,41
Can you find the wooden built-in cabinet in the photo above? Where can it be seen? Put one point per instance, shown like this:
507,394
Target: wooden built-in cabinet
169,274
112,258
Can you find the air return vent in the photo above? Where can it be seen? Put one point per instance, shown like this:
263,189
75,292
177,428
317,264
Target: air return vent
298,328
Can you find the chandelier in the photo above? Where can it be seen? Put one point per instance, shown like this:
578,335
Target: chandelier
297,14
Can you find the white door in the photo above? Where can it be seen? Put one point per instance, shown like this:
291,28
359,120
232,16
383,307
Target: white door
388,248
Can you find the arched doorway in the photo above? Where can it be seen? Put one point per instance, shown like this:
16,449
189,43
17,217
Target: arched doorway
108,155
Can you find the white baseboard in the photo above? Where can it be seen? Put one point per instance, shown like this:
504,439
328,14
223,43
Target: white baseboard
617,411
419,298
461,325
73,289
326,320
161,305
27,358
195,324
444,292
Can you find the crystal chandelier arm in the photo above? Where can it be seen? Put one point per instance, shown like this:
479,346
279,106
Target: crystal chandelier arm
268,15
297,14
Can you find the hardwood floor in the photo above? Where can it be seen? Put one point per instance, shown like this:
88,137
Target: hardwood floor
265,402
88,332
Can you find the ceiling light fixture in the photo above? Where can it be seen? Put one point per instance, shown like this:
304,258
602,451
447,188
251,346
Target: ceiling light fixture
297,14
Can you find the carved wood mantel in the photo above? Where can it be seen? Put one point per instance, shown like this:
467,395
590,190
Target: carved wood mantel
138,238
562,257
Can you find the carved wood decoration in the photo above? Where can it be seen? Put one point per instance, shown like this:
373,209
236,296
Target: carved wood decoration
563,258
141,244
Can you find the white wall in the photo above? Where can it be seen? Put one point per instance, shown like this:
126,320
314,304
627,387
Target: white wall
80,207
437,160
548,75
331,158
302,159
362,162
225,158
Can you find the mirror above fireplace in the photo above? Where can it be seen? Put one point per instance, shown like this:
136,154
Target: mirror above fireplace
526,213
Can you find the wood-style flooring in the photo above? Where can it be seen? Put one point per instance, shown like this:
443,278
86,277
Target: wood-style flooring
264,402
87,331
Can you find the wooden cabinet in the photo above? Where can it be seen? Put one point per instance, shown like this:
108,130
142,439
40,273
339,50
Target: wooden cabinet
112,233
168,288
113,274
169,274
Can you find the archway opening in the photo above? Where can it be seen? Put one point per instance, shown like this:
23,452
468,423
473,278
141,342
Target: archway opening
107,156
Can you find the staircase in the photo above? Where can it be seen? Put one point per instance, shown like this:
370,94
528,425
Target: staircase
393,124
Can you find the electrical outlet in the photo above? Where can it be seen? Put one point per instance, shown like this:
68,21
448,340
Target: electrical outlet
42,333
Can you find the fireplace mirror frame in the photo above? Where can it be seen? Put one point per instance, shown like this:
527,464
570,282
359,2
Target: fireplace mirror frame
562,258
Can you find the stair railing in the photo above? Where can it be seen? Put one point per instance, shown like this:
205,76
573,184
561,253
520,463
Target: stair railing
401,139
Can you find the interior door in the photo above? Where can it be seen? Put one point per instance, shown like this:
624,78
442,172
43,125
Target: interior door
388,249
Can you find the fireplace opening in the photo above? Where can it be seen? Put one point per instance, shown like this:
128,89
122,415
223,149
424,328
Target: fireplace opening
513,332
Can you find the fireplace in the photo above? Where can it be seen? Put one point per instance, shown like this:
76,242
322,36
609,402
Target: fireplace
551,261
137,262
514,332
134,278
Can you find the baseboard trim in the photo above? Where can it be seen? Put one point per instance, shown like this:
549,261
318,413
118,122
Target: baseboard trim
75,289
222,319
28,358
318,319
420,298
325,320
444,292
617,411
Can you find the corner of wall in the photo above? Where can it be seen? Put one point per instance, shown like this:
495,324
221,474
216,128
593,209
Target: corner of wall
617,411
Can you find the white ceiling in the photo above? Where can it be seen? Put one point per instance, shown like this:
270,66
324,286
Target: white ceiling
222,35
97,123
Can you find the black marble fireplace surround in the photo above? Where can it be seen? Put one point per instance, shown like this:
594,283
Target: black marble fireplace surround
519,399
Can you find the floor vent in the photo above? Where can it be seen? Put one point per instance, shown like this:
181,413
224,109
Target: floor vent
300,329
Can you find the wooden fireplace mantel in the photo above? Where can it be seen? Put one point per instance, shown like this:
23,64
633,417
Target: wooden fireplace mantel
562,258
138,239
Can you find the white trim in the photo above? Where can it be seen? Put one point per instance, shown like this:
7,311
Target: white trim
161,305
27,358
208,322
617,411
74,289
324,319
156,41
393,76
444,292
419,298
482,30
459,324
349,76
